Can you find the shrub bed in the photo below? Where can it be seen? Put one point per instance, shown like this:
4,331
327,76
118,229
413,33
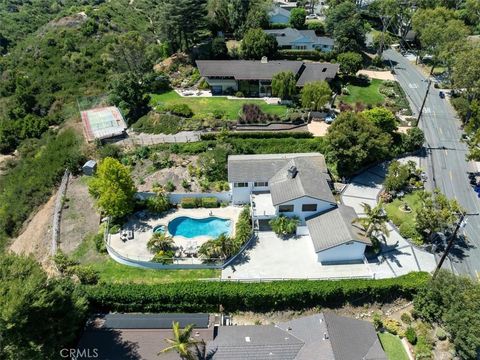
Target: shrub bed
209,202
261,135
197,296
206,202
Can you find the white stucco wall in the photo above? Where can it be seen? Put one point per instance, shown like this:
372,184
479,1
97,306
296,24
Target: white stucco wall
345,252
242,195
297,207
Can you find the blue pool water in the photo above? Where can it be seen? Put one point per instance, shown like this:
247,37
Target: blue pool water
160,229
190,228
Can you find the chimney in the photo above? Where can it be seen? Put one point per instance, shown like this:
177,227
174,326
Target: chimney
292,172
264,60
325,336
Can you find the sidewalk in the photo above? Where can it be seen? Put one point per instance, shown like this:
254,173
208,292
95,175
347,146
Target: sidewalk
398,257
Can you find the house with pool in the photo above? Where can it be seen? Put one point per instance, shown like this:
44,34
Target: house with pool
298,185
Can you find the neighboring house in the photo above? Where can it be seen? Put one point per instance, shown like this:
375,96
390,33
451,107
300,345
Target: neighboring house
279,15
254,78
290,38
137,336
298,185
325,336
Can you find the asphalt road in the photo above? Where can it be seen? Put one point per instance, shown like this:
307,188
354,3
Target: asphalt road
445,157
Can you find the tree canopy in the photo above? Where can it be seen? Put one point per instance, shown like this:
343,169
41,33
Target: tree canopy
350,62
297,18
353,141
315,95
113,188
256,44
382,118
38,316
284,85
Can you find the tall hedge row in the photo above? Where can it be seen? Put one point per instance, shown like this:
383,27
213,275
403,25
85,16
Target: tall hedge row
261,135
194,296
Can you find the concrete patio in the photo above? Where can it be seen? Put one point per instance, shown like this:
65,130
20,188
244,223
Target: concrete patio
270,257
136,248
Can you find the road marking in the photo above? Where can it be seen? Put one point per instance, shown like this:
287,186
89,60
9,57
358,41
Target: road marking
441,131
451,175
412,86
446,152
427,110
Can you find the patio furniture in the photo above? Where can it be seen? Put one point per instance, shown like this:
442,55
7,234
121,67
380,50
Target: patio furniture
130,234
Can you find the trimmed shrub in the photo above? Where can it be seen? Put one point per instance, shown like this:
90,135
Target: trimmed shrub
253,114
209,202
179,109
199,296
441,334
392,326
190,203
408,231
411,335
99,243
86,274
115,229
239,94
377,321
406,318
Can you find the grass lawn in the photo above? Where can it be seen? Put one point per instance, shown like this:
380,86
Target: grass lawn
210,104
368,95
399,217
393,347
112,272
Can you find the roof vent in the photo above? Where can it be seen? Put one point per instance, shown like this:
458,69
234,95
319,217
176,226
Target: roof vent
325,336
324,69
247,338
289,328
264,60
292,172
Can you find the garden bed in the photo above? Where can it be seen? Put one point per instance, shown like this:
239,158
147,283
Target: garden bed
405,221
393,347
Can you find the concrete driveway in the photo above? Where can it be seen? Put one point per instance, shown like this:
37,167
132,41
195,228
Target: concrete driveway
270,257
398,257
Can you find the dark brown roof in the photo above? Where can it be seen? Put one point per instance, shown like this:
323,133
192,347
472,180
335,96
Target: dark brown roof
317,72
246,69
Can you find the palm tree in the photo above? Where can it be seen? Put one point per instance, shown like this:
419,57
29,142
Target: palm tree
160,242
222,247
183,343
374,222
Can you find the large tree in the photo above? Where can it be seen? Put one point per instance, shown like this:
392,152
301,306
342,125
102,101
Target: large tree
374,223
284,85
382,118
354,142
38,316
350,62
386,10
113,188
182,22
315,95
297,18
256,44
441,33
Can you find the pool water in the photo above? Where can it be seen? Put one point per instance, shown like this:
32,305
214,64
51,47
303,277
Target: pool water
190,228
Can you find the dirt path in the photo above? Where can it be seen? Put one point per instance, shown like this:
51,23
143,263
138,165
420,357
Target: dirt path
79,216
382,75
36,237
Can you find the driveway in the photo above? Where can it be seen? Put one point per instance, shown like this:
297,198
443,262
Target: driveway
270,257
398,257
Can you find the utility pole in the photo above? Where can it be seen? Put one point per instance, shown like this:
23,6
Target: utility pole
423,103
460,224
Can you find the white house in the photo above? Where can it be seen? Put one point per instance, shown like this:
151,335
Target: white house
298,185
294,39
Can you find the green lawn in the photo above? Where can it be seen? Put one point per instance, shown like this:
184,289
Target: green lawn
210,104
393,347
112,272
368,95
399,217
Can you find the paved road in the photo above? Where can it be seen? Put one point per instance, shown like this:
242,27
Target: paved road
445,157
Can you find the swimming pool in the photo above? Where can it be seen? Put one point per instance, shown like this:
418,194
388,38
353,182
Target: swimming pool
189,227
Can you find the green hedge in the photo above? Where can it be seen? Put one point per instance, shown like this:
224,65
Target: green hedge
306,55
260,135
198,296
192,203
209,202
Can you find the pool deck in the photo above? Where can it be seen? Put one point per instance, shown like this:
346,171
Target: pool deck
136,249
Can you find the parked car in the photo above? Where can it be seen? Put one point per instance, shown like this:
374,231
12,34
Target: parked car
330,118
311,17
441,94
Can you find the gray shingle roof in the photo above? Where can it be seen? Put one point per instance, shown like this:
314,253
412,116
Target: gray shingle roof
285,37
246,69
353,339
154,321
278,10
318,72
254,343
311,180
244,168
334,227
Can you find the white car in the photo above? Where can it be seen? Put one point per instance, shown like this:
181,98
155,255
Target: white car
311,17
330,118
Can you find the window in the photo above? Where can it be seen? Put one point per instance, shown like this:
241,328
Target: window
261,183
309,207
240,185
285,208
